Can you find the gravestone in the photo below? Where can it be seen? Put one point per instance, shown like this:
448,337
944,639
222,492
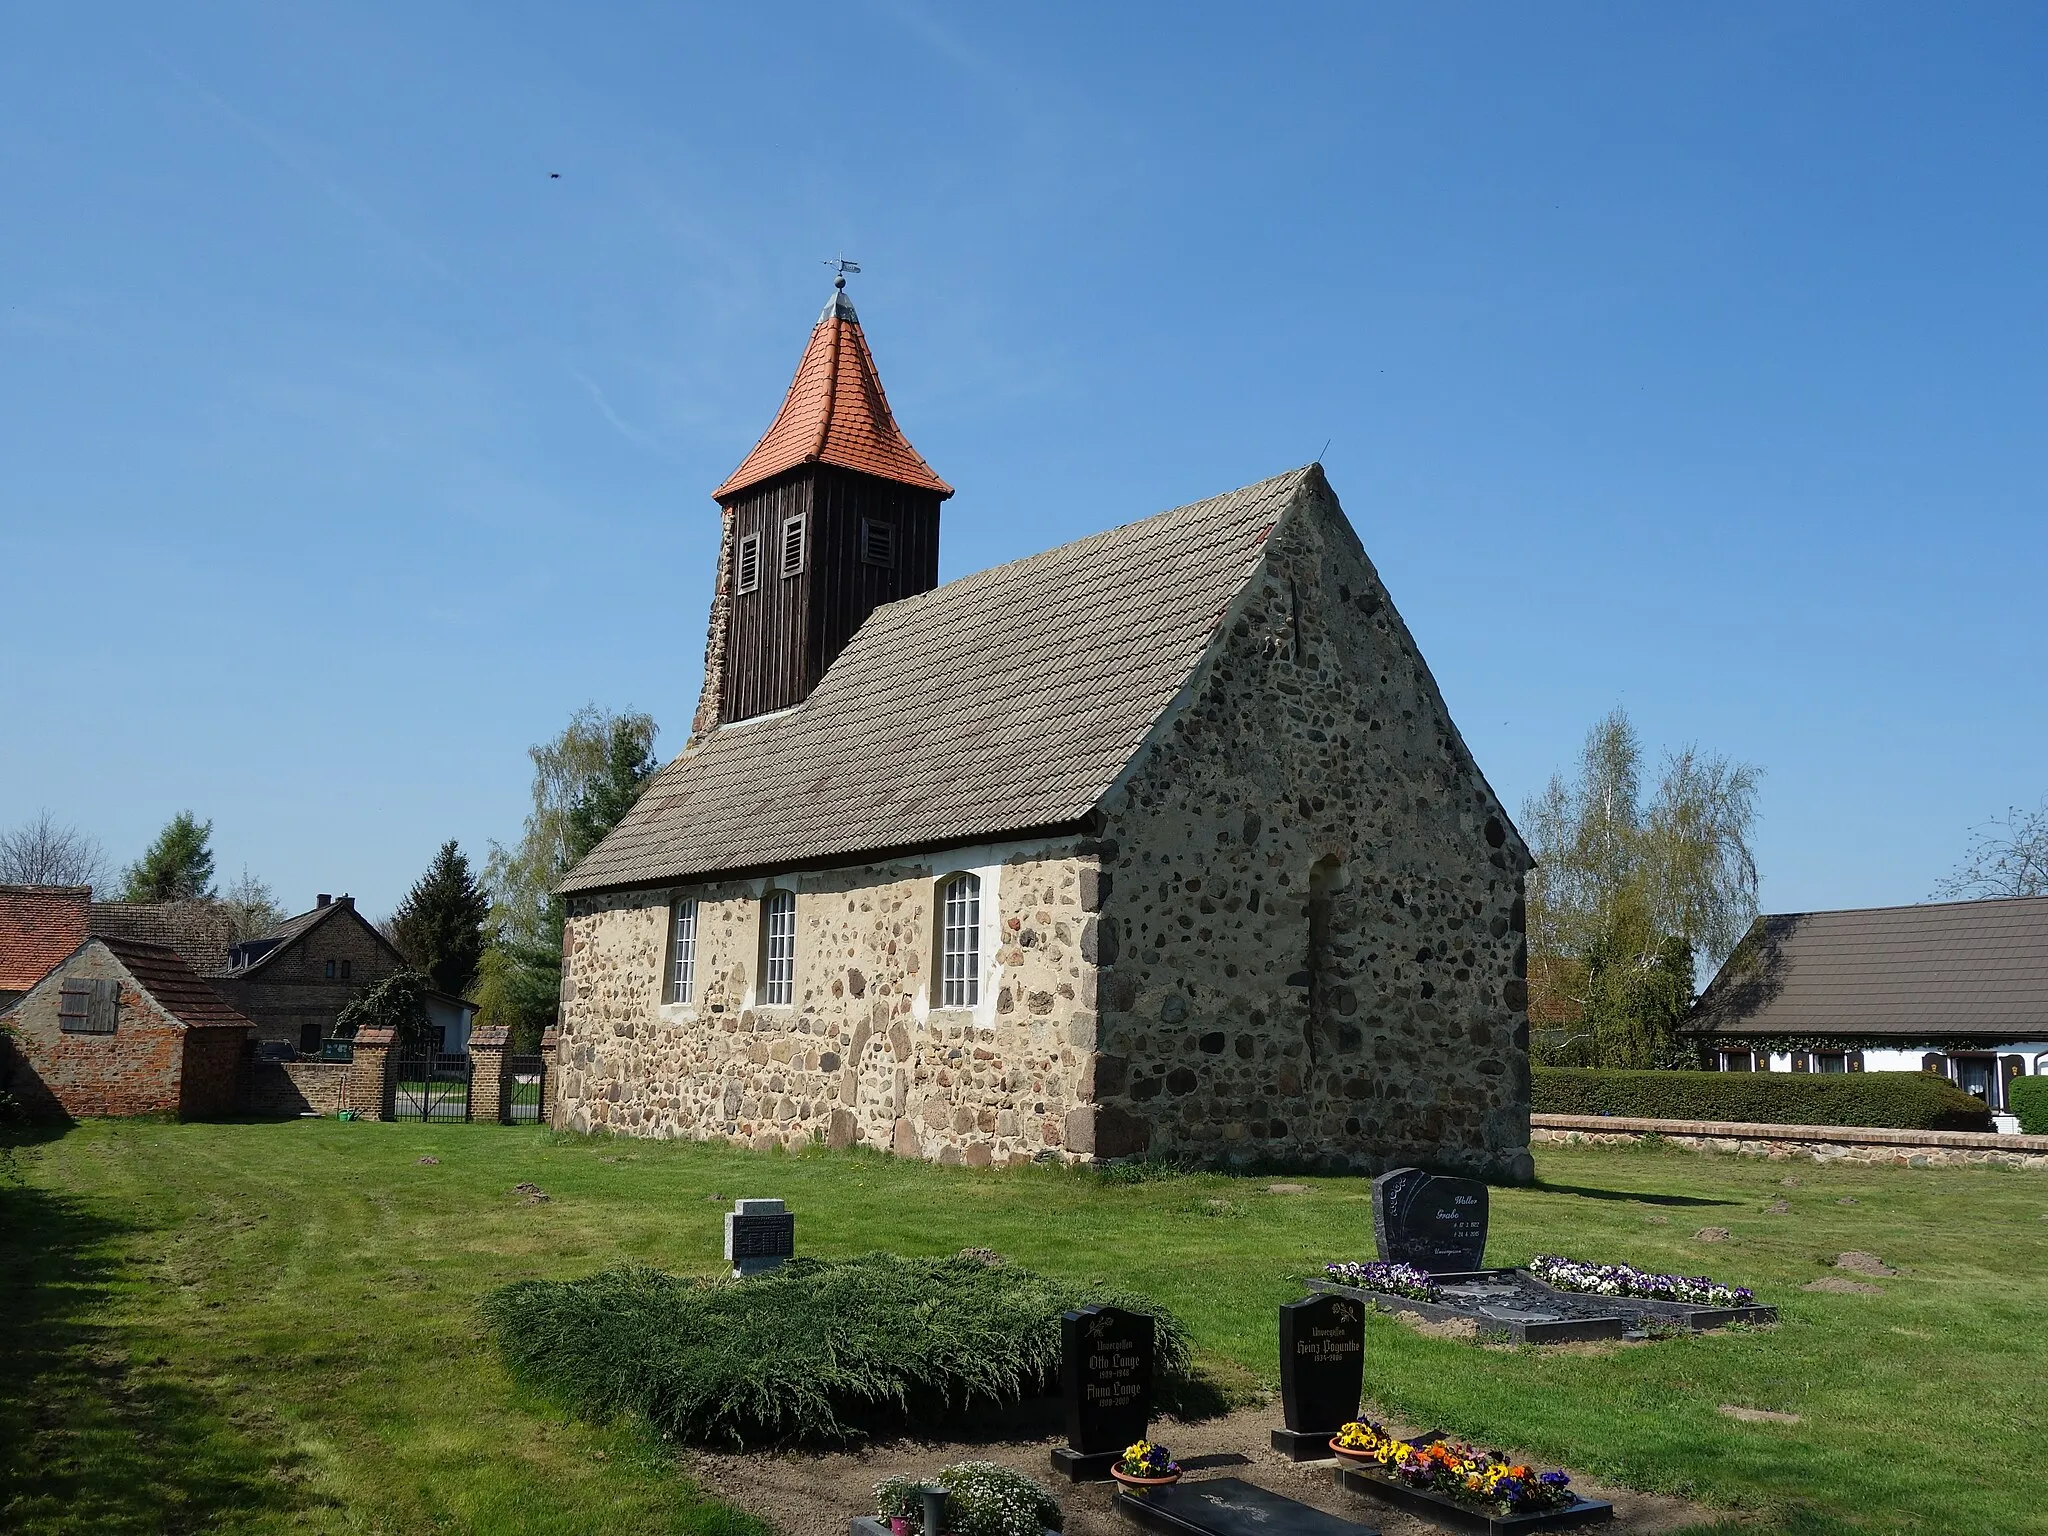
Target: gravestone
759,1235
1430,1220
1229,1506
1322,1373
1106,1378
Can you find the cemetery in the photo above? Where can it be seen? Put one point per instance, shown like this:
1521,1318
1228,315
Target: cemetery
526,1331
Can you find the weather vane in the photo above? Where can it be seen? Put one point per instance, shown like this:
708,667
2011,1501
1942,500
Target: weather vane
842,266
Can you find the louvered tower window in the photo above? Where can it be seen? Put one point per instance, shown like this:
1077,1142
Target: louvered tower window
960,942
778,948
682,951
747,563
877,542
793,546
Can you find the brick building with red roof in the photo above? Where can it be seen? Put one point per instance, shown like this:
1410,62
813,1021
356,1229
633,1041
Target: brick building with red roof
119,1027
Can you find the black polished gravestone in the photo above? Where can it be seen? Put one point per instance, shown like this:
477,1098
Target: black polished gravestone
1106,1377
759,1236
1430,1220
1322,1373
1229,1506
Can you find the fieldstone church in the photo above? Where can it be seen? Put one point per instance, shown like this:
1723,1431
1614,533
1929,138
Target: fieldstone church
1161,842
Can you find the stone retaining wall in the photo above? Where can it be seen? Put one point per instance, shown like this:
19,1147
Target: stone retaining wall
1817,1143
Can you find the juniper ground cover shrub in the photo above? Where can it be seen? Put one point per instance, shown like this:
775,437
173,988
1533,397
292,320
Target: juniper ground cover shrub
817,1352
1907,1101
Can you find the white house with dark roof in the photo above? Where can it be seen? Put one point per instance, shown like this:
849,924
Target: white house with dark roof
1958,987
1159,842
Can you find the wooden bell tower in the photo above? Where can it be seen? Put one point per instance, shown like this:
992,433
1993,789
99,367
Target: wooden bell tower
831,515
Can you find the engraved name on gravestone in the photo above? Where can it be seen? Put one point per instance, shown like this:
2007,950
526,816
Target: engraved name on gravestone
1106,1376
759,1235
1322,1372
1431,1220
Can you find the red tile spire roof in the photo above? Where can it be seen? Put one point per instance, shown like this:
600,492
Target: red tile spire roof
835,413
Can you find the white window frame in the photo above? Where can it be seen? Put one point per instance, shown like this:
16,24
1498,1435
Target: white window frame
801,545
959,922
746,564
682,950
778,947
1721,1059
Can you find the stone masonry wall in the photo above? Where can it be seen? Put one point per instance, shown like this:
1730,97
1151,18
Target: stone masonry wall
137,1070
1313,936
862,1055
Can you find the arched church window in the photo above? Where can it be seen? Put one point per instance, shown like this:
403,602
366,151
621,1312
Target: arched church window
960,942
778,948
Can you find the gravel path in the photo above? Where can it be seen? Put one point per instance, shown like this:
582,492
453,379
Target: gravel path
815,1495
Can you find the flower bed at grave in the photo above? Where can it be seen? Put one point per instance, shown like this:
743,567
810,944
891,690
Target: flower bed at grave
1627,1280
1388,1279
1458,1471
982,1499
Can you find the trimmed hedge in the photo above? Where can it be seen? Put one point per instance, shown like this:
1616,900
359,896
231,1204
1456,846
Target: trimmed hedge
1906,1101
2027,1097
819,1351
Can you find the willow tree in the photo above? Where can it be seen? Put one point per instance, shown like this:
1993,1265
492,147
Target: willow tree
1629,892
584,781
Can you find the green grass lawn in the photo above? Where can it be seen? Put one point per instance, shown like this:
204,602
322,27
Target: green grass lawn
247,1327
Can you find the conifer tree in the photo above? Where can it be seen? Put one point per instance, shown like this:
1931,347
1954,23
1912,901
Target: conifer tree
439,927
178,866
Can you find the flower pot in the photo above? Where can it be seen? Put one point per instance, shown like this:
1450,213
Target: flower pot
899,1527
1348,1453
1143,1482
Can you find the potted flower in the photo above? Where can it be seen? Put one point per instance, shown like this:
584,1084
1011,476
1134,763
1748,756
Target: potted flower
1146,1465
1361,1441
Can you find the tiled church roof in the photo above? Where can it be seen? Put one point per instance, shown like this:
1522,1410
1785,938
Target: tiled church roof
835,413
1002,703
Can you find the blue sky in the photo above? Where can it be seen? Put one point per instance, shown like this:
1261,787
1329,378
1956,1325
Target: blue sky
1690,358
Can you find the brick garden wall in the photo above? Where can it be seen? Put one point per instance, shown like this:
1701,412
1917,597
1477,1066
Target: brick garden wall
1315,901
296,1087
862,1055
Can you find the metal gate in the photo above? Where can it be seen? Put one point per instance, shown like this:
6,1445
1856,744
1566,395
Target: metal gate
526,1089
430,1085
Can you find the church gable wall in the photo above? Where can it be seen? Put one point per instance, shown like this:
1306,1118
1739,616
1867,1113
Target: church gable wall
862,1055
1315,902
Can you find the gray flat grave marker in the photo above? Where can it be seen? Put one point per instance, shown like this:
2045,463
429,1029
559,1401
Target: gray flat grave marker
759,1236
1431,1220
